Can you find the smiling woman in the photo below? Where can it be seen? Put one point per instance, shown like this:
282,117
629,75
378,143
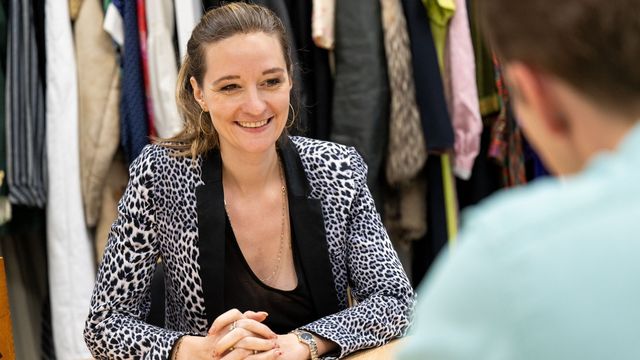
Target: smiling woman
260,233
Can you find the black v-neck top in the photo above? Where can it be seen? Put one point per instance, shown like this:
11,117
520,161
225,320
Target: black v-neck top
243,290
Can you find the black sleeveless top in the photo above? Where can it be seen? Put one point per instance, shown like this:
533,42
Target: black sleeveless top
243,290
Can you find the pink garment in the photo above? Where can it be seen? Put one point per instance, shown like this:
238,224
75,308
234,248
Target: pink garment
462,91
322,23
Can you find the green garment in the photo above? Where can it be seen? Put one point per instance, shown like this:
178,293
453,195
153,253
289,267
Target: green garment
485,73
440,13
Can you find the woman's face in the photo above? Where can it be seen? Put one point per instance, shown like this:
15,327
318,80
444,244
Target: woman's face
246,90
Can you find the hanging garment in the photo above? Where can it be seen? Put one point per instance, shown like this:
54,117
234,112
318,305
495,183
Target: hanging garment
70,255
434,115
163,71
462,93
407,151
323,23
144,60
5,205
134,128
188,14
485,76
113,23
98,96
440,13
74,9
314,71
25,121
361,90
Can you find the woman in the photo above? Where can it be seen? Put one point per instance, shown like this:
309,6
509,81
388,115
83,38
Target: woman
246,217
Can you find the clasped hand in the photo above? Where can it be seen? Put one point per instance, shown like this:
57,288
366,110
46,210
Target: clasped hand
235,335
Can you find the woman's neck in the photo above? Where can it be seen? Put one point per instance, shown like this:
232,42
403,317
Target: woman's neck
248,174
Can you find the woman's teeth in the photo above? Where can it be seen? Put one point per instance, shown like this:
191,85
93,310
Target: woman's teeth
253,124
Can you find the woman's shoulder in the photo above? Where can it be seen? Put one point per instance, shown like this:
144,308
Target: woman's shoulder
339,158
321,148
162,158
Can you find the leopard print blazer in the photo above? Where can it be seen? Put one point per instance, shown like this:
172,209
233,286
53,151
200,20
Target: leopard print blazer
173,208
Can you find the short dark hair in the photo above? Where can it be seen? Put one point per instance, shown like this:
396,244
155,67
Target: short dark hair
594,45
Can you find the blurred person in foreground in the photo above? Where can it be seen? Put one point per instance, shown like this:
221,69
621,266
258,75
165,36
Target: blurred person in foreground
550,270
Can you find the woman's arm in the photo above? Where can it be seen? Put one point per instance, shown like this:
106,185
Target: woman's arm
379,285
116,328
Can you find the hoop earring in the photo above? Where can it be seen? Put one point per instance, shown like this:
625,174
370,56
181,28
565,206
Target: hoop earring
200,123
293,116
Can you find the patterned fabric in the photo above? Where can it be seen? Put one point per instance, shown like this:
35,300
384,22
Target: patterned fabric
158,216
25,111
506,138
407,151
322,23
134,127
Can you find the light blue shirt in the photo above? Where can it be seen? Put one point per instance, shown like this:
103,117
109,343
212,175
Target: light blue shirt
546,271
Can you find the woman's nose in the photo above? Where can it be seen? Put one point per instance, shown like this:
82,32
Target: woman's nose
253,103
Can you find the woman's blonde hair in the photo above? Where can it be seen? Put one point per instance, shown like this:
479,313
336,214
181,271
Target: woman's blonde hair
199,135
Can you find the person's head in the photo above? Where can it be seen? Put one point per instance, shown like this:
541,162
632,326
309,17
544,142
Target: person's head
567,62
235,80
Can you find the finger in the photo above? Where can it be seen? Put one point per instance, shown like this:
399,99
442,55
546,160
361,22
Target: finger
237,354
254,343
225,319
266,355
259,316
257,328
230,339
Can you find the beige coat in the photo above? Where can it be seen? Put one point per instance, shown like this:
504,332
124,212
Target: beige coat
99,92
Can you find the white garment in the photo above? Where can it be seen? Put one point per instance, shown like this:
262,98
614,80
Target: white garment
113,24
188,14
71,265
163,71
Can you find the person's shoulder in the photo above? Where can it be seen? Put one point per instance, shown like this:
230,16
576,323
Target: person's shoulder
158,157
541,209
330,160
308,147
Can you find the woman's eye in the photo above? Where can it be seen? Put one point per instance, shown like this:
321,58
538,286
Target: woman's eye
273,82
229,87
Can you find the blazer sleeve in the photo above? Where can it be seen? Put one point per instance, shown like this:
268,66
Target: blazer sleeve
115,327
379,285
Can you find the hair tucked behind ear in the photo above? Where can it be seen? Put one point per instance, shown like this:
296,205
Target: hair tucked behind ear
199,135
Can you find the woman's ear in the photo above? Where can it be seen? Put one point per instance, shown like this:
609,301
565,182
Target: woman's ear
197,92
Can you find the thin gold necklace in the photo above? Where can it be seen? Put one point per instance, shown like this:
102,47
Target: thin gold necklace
283,190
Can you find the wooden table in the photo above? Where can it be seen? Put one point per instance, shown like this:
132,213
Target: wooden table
386,352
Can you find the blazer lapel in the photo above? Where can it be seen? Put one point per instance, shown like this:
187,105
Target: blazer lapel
308,226
211,234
